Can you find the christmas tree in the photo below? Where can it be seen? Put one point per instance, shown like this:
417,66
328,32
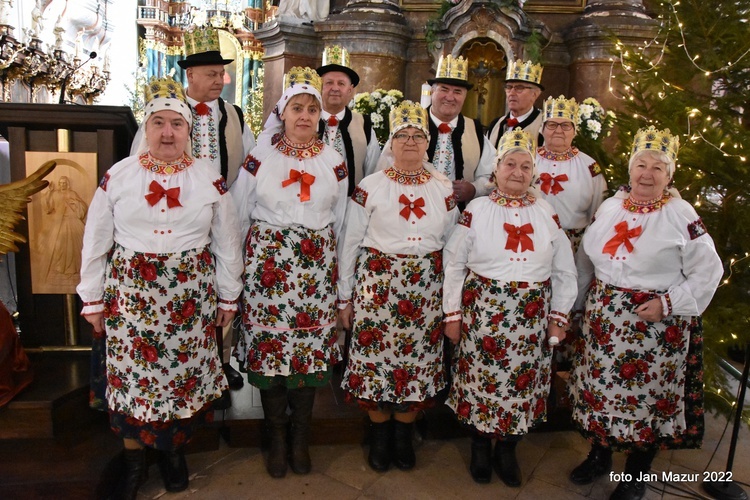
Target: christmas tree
693,77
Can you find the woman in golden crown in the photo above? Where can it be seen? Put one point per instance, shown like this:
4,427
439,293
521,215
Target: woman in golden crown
390,288
509,286
291,197
160,271
637,378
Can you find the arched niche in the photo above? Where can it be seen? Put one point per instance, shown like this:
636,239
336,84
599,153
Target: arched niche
231,48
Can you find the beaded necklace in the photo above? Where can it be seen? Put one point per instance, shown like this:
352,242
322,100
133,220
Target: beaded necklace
511,201
415,178
645,207
164,167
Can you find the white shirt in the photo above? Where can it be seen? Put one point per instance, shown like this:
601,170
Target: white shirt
119,213
259,195
479,244
673,253
576,198
374,220
333,136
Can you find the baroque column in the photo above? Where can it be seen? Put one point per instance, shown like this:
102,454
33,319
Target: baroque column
589,41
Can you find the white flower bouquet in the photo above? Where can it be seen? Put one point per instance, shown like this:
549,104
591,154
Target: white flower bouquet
378,106
593,120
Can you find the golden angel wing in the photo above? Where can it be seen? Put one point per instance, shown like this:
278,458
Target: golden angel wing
13,200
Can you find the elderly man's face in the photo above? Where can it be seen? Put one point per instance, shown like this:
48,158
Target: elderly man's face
447,101
205,83
521,97
337,91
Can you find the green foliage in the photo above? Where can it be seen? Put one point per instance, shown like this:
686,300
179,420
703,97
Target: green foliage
693,79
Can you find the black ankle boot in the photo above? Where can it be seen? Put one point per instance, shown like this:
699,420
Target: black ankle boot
637,464
301,402
274,401
481,459
135,473
379,457
598,462
506,464
403,449
174,470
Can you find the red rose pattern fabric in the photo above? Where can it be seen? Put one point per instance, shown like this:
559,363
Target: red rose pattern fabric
637,384
288,302
396,349
161,361
501,371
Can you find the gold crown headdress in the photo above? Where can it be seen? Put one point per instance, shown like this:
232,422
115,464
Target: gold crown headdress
561,108
165,88
201,40
336,54
516,138
336,58
409,114
302,76
653,139
450,67
525,71
165,94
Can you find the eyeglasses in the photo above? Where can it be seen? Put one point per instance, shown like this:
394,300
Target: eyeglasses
402,138
517,88
567,127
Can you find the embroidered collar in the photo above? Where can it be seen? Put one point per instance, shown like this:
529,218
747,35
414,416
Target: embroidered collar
564,156
164,167
421,176
645,207
507,200
293,150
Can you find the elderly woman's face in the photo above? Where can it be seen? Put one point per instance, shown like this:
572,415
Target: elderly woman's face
513,173
167,133
648,177
301,117
558,134
409,146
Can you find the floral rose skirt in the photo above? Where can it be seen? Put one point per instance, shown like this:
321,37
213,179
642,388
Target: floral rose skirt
288,306
501,371
157,364
396,351
637,384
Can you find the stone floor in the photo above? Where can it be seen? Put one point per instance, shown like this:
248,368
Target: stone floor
341,472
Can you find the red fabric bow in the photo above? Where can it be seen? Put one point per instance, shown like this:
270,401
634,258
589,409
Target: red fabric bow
510,123
414,207
158,192
552,183
519,236
306,180
202,109
622,237
444,128
333,121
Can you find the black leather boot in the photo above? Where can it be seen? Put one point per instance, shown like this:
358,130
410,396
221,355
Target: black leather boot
174,470
506,464
135,473
637,463
481,458
301,402
234,378
379,457
403,448
598,462
274,401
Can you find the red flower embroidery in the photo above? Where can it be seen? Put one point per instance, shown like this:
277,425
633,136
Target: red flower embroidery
673,335
182,277
522,382
365,338
497,318
640,297
468,297
405,308
435,336
531,309
464,409
489,344
307,247
149,353
115,381
188,308
400,374
182,357
303,320
268,279
354,381
628,371
148,271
